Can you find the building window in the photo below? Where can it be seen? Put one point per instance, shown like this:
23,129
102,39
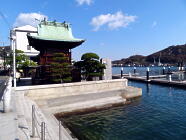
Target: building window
28,47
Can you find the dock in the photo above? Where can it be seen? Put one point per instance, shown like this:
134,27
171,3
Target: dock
155,79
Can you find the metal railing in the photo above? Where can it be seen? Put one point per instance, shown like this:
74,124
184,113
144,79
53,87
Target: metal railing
60,131
39,126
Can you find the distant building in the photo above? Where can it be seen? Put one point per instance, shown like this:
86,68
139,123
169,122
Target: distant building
21,42
4,53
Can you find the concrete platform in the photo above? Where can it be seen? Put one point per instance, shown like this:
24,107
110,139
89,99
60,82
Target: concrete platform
64,98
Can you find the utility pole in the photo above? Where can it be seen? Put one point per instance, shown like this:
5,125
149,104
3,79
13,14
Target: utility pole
4,55
13,39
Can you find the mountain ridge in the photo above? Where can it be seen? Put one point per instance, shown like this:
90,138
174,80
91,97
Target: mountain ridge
171,55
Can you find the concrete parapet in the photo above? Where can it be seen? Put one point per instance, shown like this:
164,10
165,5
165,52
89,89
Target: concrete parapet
69,89
7,95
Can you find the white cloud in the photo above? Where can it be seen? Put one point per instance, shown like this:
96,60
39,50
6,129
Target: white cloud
154,24
29,19
81,2
113,21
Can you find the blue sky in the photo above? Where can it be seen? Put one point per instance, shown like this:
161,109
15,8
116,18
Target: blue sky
112,28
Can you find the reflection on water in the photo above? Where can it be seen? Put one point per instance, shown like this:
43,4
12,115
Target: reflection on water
177,77
148,88
160,114
180,76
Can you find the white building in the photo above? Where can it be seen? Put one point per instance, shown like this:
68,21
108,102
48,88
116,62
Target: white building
21,41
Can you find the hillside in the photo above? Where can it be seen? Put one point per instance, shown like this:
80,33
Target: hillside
169,56
135,59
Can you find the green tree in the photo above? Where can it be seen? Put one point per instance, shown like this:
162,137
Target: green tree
90,66
60,69
22,60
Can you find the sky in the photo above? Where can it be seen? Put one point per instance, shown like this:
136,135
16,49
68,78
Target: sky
113,29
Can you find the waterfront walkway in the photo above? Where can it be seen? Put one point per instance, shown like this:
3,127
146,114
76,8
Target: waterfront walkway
8,124
8,120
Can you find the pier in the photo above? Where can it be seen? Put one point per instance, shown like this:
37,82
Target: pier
155,79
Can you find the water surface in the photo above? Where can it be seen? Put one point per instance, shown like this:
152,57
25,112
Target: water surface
160,114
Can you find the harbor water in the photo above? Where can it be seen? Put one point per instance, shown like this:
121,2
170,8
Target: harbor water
160,114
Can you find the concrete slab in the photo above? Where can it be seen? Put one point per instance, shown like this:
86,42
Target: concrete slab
9,123
88,104
8,126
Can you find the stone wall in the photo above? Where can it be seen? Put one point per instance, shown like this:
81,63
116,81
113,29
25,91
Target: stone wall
61,90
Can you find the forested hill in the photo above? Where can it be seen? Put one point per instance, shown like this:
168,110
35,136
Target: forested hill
171,55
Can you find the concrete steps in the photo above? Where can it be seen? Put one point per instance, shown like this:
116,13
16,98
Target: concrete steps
76,98
87,104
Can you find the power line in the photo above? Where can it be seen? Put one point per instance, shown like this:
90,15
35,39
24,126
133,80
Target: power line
5,20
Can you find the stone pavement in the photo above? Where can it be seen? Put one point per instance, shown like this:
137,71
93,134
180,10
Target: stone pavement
12,123
8,126
8,123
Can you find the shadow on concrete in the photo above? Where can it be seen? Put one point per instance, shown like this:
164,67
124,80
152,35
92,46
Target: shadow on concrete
25,82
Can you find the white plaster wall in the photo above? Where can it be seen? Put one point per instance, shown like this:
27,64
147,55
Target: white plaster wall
22,41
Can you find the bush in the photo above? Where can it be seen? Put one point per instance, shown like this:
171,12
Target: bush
90,66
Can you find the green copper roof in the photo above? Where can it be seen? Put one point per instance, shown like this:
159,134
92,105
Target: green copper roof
48,30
